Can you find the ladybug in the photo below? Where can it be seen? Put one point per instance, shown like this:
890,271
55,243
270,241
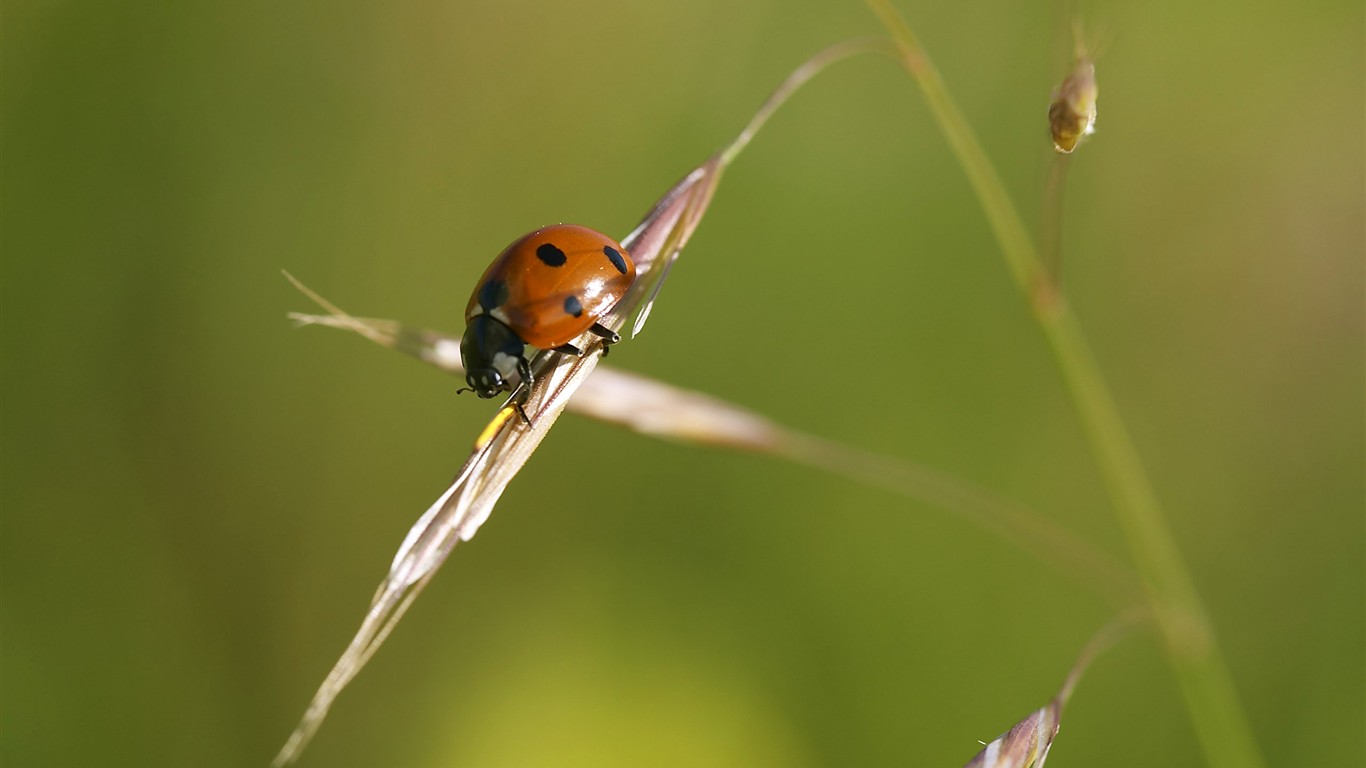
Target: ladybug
545,289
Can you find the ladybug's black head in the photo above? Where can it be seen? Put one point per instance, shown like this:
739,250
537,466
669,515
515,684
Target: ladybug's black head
486,382
491,353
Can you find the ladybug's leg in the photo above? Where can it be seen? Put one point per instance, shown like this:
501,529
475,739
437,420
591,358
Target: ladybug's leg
524,370
608,336
569,349
524,392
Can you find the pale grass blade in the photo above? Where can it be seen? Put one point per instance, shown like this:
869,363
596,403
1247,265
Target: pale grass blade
661,410
504,446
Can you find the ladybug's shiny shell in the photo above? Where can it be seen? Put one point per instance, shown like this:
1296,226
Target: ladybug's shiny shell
545,289
552,285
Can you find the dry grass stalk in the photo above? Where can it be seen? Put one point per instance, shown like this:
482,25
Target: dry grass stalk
657,409
505,445
501,450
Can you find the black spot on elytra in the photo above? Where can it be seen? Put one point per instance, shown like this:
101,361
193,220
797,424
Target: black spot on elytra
615,257
493,294
550,255
573,306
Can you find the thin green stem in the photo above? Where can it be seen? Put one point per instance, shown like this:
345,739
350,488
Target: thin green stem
1054,203
1185,627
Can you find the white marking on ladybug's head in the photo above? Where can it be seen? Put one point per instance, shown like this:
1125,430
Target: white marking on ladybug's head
506,365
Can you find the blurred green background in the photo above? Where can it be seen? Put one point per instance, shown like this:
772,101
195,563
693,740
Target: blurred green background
198,500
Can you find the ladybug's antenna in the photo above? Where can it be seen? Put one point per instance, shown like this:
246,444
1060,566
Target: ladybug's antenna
464,389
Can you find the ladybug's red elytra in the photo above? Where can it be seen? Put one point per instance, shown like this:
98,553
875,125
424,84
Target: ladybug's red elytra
546,289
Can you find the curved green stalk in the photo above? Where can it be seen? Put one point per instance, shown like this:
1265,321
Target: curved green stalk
1185,627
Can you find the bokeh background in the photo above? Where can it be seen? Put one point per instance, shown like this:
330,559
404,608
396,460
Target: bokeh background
198,500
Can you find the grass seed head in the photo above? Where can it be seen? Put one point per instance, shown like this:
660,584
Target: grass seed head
1072,114
1023,746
